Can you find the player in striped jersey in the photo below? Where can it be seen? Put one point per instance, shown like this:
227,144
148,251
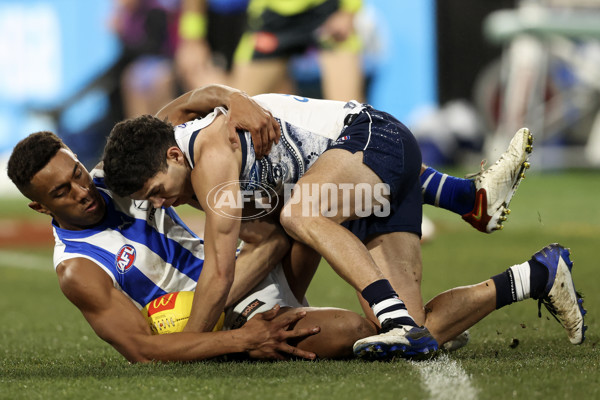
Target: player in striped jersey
372,148
113,255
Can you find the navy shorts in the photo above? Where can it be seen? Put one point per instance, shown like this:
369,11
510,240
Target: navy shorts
392,152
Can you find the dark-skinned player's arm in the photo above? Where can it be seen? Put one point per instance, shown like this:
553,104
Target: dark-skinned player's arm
244,114
116,320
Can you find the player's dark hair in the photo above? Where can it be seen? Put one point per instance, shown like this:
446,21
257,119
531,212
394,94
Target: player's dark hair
29,156
136,151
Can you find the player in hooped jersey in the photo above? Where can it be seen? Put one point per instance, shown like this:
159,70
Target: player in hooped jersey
323,143
113,254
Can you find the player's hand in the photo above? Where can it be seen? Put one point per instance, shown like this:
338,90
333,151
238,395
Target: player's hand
268,334
246,114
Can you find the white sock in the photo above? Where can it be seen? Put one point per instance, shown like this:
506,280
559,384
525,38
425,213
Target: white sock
522,280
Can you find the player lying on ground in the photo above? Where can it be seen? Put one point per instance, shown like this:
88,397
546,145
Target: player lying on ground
145,160
95,259
94,228
114,255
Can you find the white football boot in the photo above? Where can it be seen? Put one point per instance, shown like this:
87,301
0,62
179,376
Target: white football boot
496,186
560,297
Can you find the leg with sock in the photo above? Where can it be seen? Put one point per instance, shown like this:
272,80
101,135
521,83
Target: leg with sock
520,282
448,192
482,201
546,277
385,303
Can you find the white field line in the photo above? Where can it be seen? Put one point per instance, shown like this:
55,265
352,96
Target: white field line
15,259
444,378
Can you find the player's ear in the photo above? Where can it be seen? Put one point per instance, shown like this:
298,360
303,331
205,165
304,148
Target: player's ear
175,154
38,207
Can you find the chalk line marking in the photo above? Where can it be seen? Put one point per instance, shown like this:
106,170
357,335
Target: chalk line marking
444,378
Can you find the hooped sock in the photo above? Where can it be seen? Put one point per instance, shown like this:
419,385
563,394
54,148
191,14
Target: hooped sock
520,282
385,303
448,192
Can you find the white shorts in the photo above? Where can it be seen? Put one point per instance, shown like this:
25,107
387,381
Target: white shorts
274,289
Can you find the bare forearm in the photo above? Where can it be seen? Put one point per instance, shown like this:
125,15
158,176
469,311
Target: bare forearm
254,263
209,302
197,103
183,346
208,97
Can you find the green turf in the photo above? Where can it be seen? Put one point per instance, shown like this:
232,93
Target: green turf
16,207
49,352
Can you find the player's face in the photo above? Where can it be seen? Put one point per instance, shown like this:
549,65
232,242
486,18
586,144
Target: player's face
167,188
64,189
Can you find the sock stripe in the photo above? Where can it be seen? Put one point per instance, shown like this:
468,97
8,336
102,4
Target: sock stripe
392,309
394,315
388,303
439,191
426,184
448,192
522,285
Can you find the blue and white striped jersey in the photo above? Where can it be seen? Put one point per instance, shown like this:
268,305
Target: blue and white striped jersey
308,127
146,251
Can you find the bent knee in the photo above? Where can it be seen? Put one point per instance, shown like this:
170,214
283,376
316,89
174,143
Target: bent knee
293,220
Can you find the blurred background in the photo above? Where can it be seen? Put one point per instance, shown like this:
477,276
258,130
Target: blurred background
464,75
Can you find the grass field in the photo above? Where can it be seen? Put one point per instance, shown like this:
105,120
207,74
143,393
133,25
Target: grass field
47,350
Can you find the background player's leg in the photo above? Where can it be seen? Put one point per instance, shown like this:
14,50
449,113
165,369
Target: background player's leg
341,75
261,76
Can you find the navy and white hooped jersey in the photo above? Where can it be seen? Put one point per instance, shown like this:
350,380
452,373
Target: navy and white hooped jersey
147,252
308,127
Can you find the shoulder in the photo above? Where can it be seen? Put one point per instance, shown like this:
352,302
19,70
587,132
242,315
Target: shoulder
80,279
213,138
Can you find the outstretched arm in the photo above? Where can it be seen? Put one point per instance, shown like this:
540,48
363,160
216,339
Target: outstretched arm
116,320
244,114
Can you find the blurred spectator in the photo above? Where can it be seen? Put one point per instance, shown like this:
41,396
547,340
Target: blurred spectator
209,32
145,29
278,30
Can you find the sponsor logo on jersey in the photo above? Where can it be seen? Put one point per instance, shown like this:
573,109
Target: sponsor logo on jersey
162,303
125,258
